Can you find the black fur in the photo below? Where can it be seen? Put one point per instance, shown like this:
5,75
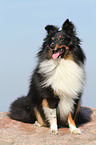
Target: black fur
23,108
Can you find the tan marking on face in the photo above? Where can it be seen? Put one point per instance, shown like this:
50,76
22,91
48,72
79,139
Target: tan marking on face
38,117
60,37
58,47
70,120
45,103
67,48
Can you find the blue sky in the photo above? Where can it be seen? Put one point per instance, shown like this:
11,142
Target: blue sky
22,32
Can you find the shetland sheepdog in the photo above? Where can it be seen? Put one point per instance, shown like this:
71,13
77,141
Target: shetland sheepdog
57,82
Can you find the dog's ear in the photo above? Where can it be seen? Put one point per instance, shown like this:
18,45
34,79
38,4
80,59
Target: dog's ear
68,27
51,29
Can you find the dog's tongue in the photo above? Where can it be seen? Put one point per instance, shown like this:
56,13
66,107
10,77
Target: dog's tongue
55,55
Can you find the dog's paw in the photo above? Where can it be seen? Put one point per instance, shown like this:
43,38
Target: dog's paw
53,129
75,130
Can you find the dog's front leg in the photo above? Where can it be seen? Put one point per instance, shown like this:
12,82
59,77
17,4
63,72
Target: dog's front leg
71,122
50,114
72,125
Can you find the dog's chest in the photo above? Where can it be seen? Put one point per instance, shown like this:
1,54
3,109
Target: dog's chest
66,78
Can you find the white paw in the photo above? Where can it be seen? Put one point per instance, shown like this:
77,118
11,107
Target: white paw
53,129
75,130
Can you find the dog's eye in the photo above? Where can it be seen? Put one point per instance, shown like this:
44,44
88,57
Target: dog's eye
52,44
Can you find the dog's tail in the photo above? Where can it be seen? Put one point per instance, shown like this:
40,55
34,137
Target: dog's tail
21,110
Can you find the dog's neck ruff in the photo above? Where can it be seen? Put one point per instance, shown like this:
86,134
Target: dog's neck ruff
64,76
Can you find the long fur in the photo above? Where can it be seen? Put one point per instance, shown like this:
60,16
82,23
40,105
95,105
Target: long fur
57,82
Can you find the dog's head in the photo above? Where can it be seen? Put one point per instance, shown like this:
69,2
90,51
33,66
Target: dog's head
61,43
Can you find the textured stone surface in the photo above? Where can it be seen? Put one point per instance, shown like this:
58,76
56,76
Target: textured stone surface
17,133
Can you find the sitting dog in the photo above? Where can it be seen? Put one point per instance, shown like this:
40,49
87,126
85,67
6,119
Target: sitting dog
57,82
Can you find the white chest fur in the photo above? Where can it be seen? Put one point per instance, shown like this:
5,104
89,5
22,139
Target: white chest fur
66,78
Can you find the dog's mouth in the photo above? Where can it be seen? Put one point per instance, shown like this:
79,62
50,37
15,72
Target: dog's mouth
59,52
